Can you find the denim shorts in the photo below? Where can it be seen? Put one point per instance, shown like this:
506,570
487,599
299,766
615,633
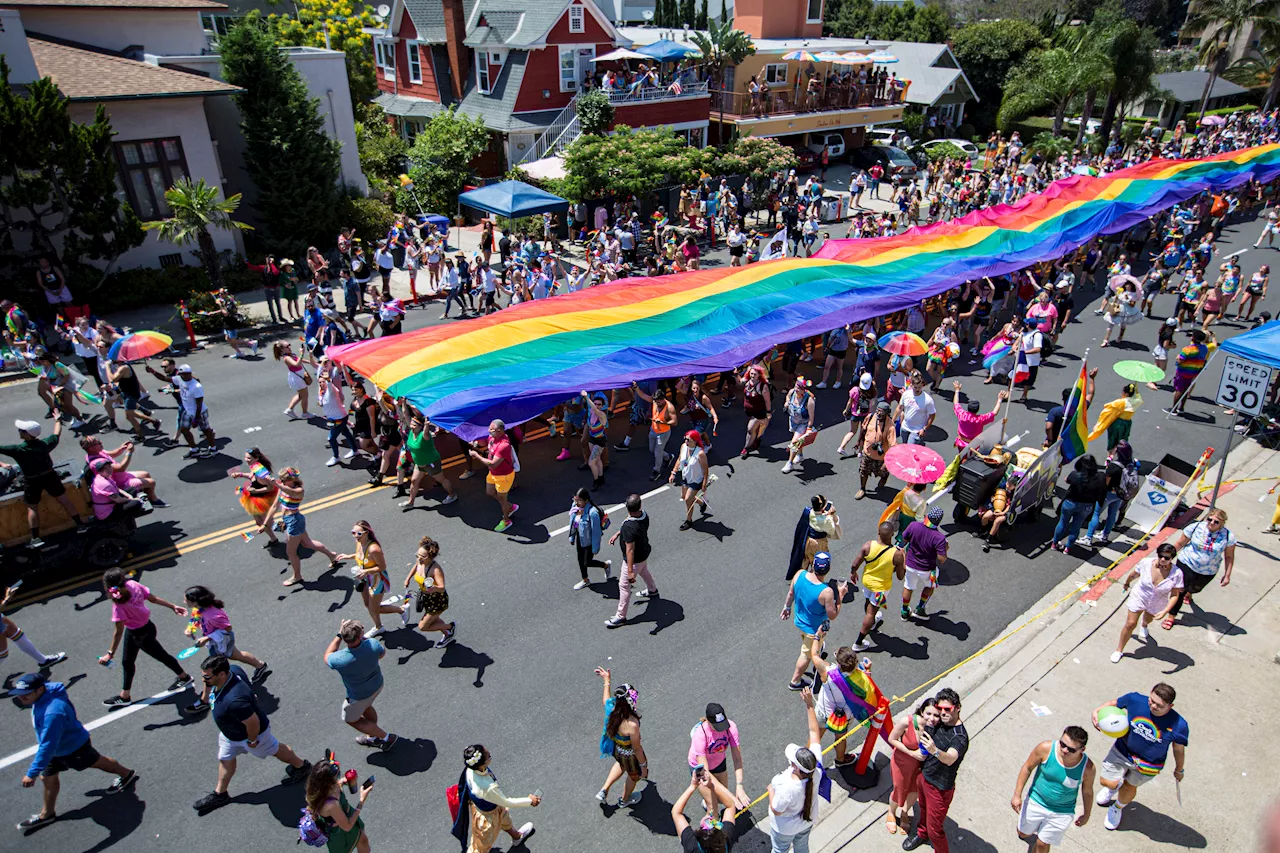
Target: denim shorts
295,524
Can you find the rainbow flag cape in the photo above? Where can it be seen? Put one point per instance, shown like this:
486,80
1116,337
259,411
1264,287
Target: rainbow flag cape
1075,429
996,350
521,361
861,695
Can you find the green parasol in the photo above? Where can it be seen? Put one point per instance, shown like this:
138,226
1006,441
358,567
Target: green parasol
1138,371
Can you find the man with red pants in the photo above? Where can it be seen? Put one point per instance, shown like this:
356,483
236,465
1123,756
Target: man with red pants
947,744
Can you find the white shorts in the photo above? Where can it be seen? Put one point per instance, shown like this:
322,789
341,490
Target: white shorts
1049,827
295,380
917,579
1115,767
267,746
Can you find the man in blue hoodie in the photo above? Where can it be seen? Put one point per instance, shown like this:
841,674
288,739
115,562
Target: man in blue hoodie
62,744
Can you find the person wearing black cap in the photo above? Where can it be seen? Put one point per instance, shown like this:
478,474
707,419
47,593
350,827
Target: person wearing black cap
710,740
62,743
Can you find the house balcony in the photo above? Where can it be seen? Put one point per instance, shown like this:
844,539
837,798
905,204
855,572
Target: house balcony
648,94
792,111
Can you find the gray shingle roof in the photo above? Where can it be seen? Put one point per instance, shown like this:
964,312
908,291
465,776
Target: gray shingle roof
494,109
518,23
399,105
1188,86
428,18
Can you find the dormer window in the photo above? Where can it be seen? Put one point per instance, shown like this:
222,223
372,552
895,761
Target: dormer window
482,73
577,19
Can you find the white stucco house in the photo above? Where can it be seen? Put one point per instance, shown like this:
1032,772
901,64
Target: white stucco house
148,63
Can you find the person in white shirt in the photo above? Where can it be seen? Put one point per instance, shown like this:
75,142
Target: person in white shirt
792,793
916,411
737,245
490,283
1030,341
386,263
484,810
192,411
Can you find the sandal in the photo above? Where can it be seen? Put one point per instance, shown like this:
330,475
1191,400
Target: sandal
293,582
891,822
1167,624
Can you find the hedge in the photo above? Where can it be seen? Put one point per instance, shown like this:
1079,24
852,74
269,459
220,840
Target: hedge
1225,111
125,290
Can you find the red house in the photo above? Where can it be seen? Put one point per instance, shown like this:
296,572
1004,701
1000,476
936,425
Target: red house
518,66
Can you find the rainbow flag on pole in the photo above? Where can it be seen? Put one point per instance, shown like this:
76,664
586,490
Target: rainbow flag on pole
861,695
1075,429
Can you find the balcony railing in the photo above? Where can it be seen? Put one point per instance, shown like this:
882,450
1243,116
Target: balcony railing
785,102
643,94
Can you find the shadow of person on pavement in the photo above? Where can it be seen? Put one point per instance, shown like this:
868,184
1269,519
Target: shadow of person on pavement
952,573
812,469
285,801
1160,827
717,529
663,612
652,812
938,621
120,815
1179,660
407,757
407,640
458,656
900,647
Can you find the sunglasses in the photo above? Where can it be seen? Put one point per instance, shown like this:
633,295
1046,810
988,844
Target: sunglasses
357,531
1069,750
946,709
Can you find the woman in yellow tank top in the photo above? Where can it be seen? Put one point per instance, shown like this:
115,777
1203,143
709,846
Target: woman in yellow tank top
371,577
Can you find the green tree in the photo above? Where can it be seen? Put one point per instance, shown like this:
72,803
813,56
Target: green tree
382,151
932,25
1130,53
701,21
194,208
1221,22
759,156
987,52
853,19
595,112
58,181
1261,70
292,161
722,46
442,156
688,13
337,25
1052,79
625,161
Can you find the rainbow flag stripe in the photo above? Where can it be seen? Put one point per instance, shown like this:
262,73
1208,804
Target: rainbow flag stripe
521,361
1075,432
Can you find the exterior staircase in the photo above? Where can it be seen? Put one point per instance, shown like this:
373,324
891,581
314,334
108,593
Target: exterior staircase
558,135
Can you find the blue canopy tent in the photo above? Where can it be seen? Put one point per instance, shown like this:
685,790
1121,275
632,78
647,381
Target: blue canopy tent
1261,345
513,199
666,50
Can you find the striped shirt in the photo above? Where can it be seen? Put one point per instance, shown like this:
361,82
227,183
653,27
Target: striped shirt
1191,360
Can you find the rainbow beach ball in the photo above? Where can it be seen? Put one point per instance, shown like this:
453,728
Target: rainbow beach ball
1113,721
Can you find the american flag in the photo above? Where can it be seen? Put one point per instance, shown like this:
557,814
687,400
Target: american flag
675,88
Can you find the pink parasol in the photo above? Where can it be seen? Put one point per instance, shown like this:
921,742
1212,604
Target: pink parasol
914,463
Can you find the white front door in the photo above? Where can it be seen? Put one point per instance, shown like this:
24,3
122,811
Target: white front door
586,62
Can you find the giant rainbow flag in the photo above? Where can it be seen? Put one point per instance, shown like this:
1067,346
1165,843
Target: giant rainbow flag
521,361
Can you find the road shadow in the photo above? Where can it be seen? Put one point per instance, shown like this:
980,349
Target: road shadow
119,815
407,757
458,656
717,529
284,801
407,640
1177,659
663,612
899,647
939,622
952,573
652,812
1160,828
814,469
208,469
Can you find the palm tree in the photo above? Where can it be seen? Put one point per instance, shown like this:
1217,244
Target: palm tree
195,208
722,47
1052,78
1261,70
1221,22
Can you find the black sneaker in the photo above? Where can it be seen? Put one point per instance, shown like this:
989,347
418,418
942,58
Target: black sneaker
159,503
448,636
35,822
622,448
914,841
193,453
294,775
197,707
389,741
122,782
259,673
179,683
117,701
210,801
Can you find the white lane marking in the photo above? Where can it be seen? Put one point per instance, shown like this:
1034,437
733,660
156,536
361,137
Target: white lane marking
646,495
23,755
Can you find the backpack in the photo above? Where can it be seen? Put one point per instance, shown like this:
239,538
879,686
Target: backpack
1130,483
310,831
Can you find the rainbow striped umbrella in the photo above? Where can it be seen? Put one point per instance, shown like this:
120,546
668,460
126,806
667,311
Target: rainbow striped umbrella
139,345
828,56
856,59
903,343
882,57
800,56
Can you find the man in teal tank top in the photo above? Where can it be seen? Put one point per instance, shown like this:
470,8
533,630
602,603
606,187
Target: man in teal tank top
1058,772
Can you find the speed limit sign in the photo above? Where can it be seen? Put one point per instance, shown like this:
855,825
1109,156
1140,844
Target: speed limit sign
1244,385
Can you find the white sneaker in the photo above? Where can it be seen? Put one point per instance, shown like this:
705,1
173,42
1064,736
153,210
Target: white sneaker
348,454
75,423
404,611
1142,634
1105,796
234,354
448,499
1084,542
581,585
863,646
788,468
526,831
821,385
292,415
1115,656
253,347
608,570
837,385
601,795
1113,816
333,460
374,632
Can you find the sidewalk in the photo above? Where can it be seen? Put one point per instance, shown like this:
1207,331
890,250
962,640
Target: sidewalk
1221,661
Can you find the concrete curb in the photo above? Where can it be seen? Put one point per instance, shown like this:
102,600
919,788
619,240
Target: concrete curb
981,679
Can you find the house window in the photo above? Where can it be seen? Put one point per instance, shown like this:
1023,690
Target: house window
776,73
577,19
814,13
148,167
415,61
495,58
385,54
568,69
409,129
482,72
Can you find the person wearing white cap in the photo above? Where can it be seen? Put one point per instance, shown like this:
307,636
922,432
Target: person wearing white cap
861,398
35,460
792,793
192,412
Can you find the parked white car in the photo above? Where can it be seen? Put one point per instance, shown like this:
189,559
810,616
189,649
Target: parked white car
834,142
886,136
963,144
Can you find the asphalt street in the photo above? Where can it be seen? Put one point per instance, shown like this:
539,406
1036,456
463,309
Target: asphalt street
519,678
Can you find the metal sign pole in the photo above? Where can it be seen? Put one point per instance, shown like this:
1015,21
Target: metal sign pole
1222,465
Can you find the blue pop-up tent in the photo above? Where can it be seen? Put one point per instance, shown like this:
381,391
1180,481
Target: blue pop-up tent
1261,345
513,199
666,50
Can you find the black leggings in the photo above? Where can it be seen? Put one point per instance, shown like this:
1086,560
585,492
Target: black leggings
144,639
1193,582
586,560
